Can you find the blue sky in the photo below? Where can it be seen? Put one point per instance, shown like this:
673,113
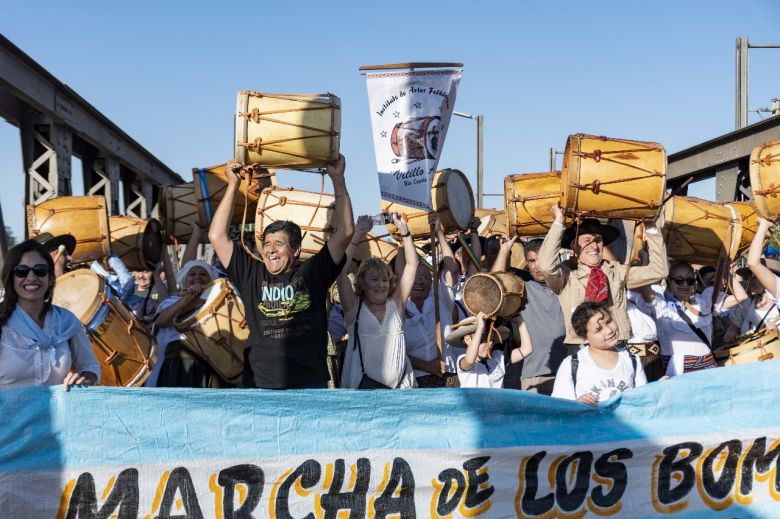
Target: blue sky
168,72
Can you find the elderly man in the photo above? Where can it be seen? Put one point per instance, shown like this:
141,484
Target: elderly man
284,298
594,278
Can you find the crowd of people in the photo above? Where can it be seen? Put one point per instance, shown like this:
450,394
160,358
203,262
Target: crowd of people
590,326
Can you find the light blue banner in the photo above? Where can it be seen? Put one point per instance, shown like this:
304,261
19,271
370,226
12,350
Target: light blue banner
707,431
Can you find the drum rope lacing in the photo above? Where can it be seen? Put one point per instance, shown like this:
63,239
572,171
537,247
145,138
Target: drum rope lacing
256,116
597,186
530,198
225,337
673,228
771,189
112,354
281,201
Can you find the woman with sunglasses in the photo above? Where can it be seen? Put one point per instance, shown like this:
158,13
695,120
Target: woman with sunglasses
39,342
684,319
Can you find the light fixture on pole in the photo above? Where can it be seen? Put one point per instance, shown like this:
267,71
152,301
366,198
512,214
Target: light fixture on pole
480,119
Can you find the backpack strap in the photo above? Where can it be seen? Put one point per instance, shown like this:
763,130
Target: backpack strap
575,364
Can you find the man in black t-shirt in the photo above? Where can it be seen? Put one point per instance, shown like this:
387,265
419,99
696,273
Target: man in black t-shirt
284,298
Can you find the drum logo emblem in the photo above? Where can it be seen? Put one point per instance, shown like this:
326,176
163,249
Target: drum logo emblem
416,139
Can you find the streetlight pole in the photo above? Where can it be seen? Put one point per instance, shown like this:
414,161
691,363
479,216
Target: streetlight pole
480,119
743,45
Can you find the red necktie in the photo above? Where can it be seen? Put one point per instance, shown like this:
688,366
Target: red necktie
597,289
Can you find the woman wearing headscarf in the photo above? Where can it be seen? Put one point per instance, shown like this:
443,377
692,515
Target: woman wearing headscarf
176,366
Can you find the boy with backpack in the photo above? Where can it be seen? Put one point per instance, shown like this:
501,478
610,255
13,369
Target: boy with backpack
601,369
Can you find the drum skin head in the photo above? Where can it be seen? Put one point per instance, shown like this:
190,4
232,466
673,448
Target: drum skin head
483,295
460,199
79,291
210,297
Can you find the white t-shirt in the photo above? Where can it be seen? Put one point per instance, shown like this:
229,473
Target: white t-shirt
420,327
676,337
601,383
643,329
488,375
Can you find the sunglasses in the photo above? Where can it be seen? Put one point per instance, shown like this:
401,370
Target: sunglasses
39,270
688,281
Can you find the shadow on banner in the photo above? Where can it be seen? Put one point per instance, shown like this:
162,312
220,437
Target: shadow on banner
698,445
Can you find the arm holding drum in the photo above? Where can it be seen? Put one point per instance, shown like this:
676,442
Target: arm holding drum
342,213
188,303
411,260
549,258
220,224
502,260
658,266
191,252
765,276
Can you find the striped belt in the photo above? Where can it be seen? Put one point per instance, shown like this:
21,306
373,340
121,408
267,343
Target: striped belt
644,349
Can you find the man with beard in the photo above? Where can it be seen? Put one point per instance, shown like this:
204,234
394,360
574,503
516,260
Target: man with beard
594,278
284,298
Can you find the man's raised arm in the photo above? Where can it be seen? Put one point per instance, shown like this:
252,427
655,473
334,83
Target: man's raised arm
342,214
220,224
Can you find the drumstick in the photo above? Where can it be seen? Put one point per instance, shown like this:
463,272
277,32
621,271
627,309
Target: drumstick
60,252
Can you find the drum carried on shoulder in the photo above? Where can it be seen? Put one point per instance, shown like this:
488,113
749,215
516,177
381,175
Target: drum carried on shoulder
701,232
123,346
137,242
452,198
211,183
178,211
217,331
528,198
603,177
765,179
85,217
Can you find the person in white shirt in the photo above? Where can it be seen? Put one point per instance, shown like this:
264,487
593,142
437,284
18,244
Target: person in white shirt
684,320
601,369
420,323
758,311
481,365
376,351
40,342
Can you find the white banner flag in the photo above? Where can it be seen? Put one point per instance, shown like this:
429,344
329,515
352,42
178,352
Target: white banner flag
410,115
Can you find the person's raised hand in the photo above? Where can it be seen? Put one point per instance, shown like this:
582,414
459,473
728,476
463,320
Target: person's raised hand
433,220
363,226
400,224
507,242
233,170
336,169
557,212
